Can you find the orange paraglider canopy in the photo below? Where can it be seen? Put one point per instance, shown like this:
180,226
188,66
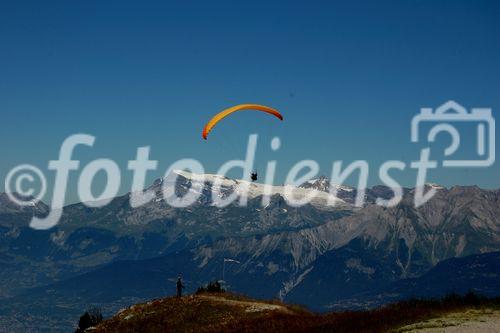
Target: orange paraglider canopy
218,117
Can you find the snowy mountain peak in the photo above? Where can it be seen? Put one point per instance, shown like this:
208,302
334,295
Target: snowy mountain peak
210,185
31,204
435,186
323,184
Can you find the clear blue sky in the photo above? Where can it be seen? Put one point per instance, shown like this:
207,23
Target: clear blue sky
348,77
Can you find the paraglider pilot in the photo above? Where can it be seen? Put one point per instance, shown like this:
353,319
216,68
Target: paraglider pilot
253,176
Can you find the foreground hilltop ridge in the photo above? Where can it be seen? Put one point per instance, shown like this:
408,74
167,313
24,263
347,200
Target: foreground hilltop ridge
344,257
222,312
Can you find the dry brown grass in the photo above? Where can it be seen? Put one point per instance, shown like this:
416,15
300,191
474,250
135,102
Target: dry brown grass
203,314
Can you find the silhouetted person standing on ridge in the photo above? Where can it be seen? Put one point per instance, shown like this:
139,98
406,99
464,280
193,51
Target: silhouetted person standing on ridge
180,286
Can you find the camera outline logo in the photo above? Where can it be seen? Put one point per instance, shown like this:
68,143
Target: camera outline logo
452,112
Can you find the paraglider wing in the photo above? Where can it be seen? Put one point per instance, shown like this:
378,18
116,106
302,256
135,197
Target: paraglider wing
218,117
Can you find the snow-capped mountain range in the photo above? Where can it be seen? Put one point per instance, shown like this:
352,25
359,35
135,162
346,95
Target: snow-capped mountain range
312,254
211,187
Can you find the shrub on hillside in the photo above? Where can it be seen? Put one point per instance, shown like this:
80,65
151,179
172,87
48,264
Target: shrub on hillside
91,317
211,287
